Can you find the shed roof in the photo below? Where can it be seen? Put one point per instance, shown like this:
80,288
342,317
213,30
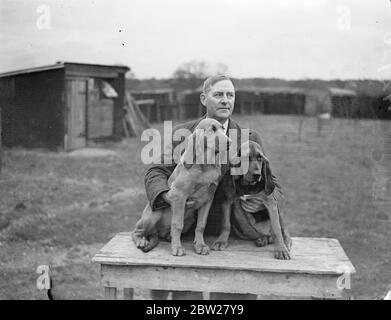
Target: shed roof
262,89
342,92
153,91
272,90
58,65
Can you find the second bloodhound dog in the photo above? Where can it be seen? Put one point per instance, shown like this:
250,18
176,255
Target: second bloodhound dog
260,184
195,178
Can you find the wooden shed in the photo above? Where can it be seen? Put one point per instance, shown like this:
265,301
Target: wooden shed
282,100
318,101
62,106
373,106
342,102
248,100
190,106
157,104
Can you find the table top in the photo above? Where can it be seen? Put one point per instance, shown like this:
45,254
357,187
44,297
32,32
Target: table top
309,255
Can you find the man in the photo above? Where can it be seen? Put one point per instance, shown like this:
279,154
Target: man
218,96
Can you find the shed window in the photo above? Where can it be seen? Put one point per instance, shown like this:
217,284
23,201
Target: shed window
107,90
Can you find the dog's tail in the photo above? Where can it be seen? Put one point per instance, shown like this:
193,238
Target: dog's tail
153,242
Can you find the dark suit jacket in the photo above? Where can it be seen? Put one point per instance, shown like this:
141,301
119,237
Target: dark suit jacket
156,178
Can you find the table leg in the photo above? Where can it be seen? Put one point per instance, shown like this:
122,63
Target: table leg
128,294
110,293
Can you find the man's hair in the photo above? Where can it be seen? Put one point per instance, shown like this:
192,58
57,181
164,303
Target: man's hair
211,81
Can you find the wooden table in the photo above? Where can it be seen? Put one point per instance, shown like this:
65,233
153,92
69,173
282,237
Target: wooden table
319,269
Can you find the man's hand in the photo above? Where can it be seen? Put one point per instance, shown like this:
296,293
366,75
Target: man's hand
189,204
164,196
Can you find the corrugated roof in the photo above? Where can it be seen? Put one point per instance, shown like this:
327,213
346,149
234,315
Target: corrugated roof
151,91
257,89
273,90
58,65
342,92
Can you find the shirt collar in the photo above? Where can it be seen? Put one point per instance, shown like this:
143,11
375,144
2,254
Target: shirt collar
225,125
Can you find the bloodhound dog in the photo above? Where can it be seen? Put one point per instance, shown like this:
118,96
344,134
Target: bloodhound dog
195,178
260,185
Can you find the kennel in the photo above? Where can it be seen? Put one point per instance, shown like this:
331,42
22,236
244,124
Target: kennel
62,106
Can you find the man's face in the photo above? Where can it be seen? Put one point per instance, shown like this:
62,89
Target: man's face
219,100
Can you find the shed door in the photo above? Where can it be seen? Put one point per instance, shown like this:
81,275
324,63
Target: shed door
77,105
100,111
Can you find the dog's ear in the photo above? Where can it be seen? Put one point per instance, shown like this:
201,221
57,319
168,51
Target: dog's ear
189,156
241,158
267,174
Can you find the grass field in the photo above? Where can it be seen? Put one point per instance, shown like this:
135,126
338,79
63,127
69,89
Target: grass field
60,210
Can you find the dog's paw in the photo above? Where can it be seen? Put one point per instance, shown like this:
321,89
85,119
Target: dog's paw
178,251
281,253
288,242
141,242
201,248
219,245
263,241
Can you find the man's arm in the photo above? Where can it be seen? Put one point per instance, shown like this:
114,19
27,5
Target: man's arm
156,183
156,177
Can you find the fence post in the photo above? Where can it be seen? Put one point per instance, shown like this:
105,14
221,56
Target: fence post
319,125
158,111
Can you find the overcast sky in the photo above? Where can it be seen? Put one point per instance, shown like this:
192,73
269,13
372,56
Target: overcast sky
291,39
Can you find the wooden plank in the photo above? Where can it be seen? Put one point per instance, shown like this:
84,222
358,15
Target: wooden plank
142,118
309,255
100,118
125,126
145,101
76,91
93,71
134,116
210,280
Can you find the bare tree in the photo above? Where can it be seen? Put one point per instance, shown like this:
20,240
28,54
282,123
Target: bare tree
192,70
222,68
130,75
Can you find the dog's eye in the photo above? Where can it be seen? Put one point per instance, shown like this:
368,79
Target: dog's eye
214,128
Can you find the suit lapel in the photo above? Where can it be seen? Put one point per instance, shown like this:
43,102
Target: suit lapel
195,124
233,126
